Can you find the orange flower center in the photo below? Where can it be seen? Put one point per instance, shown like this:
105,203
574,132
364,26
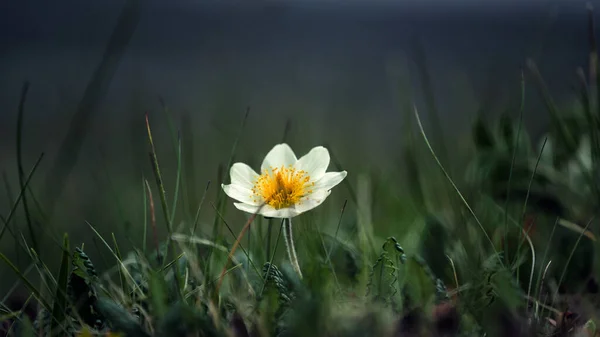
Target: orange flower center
282,187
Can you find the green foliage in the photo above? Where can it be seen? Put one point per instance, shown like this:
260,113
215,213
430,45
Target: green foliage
383,279
462,254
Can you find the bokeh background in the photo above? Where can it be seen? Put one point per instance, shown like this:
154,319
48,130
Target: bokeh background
339,73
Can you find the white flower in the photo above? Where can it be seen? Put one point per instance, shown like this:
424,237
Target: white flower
287,186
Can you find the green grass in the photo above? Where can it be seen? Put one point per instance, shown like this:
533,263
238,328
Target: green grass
503,243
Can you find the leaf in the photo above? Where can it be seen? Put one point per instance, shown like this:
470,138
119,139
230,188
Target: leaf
26,328
506,132
158,294
590,328
275,279
576,228
506,289
81,289
383,279
85,332
119,319
182,320
483,138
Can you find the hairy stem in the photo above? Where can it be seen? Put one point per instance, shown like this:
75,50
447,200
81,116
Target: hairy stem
289,244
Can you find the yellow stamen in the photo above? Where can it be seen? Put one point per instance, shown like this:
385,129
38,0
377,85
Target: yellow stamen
282,187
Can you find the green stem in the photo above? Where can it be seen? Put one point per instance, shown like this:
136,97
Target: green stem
289,244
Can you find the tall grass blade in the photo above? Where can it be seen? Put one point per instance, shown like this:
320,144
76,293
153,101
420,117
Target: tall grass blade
165,207
145,208
189,171
199,208
16,204
563,134
564,272
420,58
220,195
20,114
512,164
456,188
95,91
122,279
177,181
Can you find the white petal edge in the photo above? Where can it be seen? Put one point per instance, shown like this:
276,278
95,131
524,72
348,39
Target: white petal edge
329,180
315,162
240,193
280,154
312,201
267,210
289,212
242,175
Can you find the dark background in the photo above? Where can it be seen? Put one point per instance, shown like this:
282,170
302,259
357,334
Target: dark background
343,72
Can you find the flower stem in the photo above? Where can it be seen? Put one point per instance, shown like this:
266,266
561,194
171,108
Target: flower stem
289,244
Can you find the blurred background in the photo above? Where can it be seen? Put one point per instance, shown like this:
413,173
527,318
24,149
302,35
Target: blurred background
342,73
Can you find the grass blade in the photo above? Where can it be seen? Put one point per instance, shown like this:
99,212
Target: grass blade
124,286
145,208
95,91
24,279
177,181
119,261
456,188
60,299
16,204
20,114
220,195
564,272
234,247
242,247
165,207
512,164
199,208
189,172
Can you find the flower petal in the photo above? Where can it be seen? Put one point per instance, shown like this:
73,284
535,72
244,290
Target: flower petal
267,210
246,207
241,193
242,175
289,212
329,180
315,162
312,201
281,154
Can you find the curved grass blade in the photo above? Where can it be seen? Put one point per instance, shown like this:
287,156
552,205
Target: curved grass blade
456,188
576,228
